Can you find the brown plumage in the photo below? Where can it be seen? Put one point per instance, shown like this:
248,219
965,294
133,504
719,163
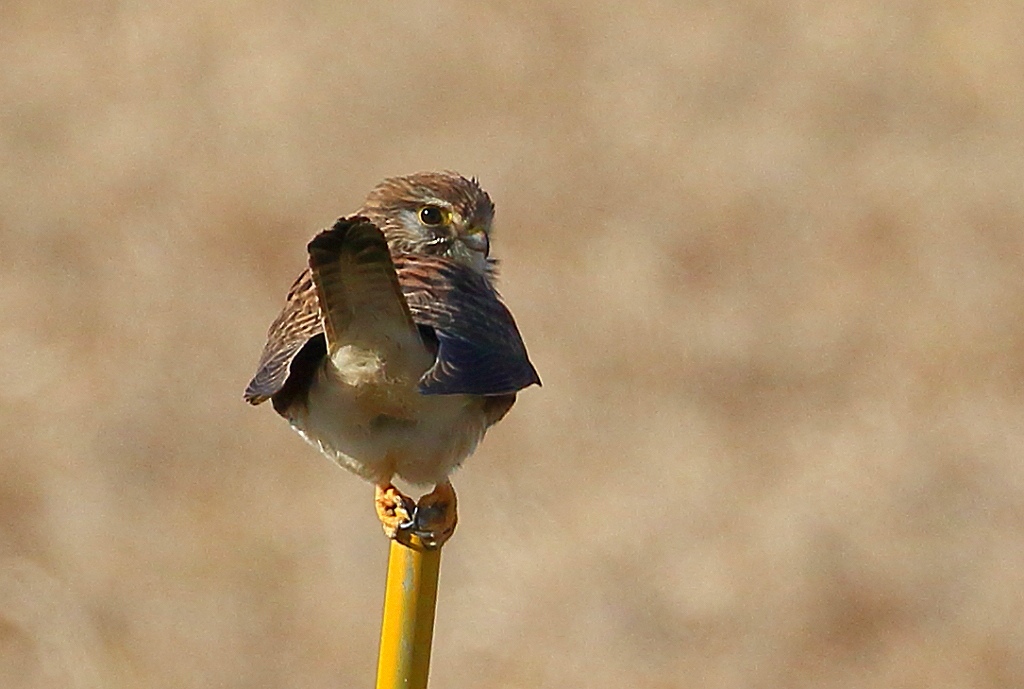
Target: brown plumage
393,353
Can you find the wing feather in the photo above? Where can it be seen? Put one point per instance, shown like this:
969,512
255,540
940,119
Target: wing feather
297,323
479,348
361,301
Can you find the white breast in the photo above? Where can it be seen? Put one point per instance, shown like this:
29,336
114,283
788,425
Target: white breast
377,425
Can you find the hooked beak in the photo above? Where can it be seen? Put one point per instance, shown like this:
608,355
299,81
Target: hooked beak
475,239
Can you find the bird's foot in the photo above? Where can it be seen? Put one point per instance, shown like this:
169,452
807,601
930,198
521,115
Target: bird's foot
395,511
436,516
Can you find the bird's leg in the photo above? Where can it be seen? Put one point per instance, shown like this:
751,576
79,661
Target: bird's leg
436,515
394,510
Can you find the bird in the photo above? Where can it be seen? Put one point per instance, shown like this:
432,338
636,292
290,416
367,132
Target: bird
394,353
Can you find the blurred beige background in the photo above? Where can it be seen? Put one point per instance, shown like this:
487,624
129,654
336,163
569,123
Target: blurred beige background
768,258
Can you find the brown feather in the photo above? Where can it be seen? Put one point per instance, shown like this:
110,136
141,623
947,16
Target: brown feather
297,323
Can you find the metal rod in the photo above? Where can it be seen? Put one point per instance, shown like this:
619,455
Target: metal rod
410,598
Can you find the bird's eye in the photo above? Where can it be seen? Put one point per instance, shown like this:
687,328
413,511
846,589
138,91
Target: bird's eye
432,215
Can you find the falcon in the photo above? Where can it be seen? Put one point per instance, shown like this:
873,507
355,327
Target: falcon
394,353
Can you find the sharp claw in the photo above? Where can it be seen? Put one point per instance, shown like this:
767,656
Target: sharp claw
429,539
427,520
420,517
410,523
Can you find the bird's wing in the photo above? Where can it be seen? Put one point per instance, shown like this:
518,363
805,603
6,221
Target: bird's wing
360,299
479,349
349,294
298,321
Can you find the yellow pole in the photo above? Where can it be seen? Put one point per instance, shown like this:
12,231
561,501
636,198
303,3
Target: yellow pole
410,598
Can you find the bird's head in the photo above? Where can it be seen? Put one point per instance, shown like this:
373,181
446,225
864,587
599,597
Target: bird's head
435,213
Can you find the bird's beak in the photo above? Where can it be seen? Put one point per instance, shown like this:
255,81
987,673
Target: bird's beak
475,239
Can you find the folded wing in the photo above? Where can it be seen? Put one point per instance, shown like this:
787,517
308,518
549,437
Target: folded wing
479,348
